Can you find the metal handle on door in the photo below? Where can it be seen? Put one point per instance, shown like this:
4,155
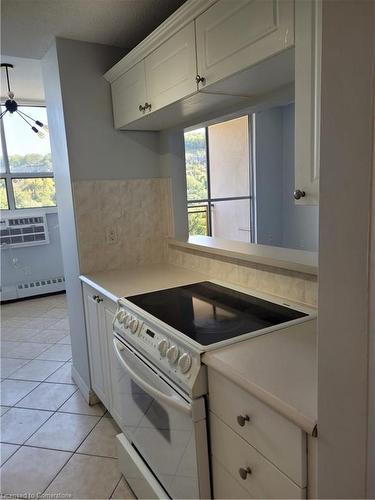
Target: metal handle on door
142,108
200,79
298,194
147,106
99,299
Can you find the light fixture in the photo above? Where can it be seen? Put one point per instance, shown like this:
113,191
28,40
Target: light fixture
11,106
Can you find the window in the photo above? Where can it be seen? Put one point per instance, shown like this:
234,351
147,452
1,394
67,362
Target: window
218,180
25,165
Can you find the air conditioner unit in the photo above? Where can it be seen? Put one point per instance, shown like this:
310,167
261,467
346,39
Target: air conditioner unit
23,231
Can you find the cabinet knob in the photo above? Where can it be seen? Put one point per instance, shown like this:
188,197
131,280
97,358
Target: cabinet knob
200,79
142,108
242,419
98,299
298,194
147,106
244,472
95,297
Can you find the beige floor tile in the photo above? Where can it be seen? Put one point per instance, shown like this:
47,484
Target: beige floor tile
19,424
6,451
65,340
20,334
28,350
37,370
13,391
56,313
10,365
63,431
57,353
87,477
101,440
47,396
30,470
61,324
123,491
63,375
48,336
7,347
77,404
4,409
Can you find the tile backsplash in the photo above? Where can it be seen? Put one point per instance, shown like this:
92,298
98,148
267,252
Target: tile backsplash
295,286
138,211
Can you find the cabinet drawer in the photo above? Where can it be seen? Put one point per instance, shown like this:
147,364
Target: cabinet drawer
224,485
233,453
282,442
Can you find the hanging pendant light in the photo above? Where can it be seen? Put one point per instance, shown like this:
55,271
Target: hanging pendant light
11,107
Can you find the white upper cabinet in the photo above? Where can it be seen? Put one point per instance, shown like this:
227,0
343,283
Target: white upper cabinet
171,69
234,35
129,95
307,101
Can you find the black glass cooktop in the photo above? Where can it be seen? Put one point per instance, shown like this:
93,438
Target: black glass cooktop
209,313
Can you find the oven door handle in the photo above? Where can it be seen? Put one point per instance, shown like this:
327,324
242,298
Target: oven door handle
169,400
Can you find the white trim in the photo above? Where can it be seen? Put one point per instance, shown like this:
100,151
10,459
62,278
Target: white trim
89,395
189,11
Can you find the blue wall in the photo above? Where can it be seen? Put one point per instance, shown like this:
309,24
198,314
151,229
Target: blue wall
34,263
279,221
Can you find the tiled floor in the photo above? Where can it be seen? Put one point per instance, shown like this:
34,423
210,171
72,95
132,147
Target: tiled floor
52,441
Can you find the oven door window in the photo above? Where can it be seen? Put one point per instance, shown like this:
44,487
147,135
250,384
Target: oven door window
157,420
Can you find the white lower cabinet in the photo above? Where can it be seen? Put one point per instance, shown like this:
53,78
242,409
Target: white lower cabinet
255,452
99,312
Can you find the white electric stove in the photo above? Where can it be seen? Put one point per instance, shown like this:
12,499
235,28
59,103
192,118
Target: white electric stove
160,382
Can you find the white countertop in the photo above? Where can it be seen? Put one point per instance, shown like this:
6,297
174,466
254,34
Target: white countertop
279,368
142,279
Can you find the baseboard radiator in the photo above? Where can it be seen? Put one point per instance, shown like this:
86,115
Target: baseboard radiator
31,288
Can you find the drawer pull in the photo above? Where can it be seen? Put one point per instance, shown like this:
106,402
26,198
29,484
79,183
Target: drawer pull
244,472
242,419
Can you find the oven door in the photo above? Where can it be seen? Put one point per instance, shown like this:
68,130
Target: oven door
159,422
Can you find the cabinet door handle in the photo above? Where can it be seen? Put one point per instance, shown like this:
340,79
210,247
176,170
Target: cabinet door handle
147,106
200,79
95,297
298,194
244,472
142,108
242,419
99,299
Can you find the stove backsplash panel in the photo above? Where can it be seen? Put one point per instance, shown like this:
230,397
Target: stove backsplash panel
135,213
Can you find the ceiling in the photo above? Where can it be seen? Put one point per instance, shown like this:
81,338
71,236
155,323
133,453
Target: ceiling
26,80
28,26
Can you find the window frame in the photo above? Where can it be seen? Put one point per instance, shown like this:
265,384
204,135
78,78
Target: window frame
8,175
209,200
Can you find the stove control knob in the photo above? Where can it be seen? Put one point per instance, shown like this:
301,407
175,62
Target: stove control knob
128,319
184,363
172,354
133,325
121,316
163,346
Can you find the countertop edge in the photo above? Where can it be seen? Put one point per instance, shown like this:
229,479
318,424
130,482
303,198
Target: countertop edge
308,424
99,288
271,261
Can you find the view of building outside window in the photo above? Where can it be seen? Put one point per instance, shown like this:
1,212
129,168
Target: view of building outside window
26,163
218,180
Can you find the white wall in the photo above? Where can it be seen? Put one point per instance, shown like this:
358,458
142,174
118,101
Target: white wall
85,146
344,218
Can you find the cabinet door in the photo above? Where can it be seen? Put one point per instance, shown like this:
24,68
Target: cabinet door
234,35
94,334
171,69
307,100
128,93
